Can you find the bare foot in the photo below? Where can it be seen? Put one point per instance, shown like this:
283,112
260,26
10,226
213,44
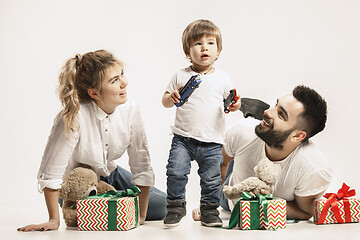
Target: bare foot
196,214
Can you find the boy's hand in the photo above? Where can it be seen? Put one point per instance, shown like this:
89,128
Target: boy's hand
169,99
175,95
235,106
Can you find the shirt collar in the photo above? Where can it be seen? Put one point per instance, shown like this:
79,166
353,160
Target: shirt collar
101,115
192,72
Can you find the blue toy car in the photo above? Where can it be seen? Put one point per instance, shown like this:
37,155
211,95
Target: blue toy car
188,89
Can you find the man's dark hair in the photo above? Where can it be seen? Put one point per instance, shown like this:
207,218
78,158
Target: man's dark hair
313,119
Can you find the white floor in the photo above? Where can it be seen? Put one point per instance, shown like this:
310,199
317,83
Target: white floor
188,229
20,208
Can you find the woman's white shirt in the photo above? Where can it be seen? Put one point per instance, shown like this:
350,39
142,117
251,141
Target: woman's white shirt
100,140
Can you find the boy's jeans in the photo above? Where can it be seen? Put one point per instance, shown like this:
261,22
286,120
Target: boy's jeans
209,158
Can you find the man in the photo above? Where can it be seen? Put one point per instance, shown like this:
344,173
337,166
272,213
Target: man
282,137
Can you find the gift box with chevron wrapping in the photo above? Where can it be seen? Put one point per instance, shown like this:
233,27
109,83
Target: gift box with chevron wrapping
338,207
108,213
269,214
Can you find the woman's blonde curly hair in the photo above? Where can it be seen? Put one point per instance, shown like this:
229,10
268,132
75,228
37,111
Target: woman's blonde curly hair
79,74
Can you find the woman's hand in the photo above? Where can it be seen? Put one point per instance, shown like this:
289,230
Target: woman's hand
142,220
51,199
52,224
143,202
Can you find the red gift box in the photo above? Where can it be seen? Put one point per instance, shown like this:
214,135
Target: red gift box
338,207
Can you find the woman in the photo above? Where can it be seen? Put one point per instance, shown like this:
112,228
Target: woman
97,124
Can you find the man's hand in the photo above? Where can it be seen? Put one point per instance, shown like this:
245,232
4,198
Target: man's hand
263,192
302,207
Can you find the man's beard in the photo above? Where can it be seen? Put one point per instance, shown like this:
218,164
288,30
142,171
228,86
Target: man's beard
271,137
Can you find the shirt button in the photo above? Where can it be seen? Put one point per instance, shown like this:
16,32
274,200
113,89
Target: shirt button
106,130
107,116
106,145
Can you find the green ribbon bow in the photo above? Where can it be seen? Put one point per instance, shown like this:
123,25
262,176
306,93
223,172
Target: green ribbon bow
112,204
254,210
130,192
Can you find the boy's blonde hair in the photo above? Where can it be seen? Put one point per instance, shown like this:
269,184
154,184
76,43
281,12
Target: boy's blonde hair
79,74
196,30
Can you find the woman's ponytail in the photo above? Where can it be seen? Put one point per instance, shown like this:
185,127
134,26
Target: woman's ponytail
68,94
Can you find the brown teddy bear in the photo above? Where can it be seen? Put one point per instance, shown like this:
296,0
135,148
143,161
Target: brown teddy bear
266,173
79,183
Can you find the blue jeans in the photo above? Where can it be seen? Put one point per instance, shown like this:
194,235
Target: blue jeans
223,200
209,158
120,179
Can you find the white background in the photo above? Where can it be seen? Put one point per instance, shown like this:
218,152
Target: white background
268,48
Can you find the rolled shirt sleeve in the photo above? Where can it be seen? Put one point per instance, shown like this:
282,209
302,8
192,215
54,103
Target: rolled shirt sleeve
138,151
58,151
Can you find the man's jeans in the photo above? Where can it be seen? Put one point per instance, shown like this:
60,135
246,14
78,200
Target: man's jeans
209,158
223,200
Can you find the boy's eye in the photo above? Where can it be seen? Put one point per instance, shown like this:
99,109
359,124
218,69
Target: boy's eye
197,44
114,81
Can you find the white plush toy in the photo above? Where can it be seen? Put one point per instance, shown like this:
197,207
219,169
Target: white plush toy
266,172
